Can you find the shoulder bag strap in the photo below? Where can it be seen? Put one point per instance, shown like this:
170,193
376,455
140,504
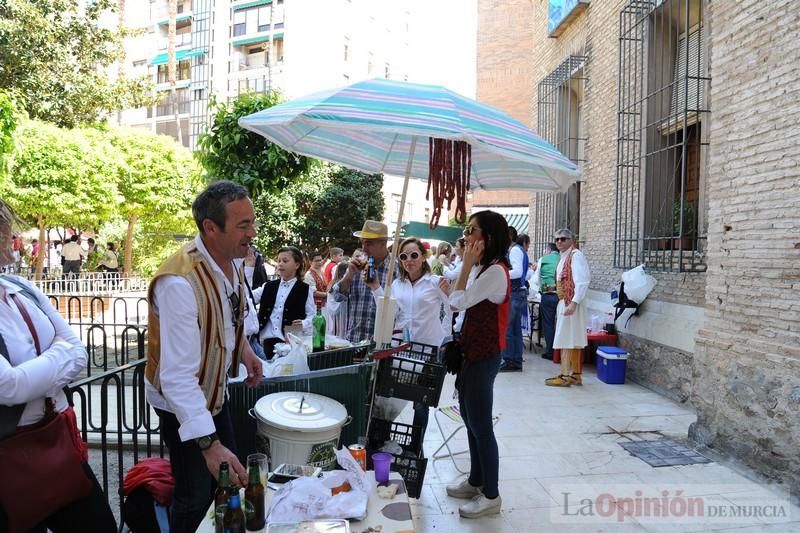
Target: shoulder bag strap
28,322
9,414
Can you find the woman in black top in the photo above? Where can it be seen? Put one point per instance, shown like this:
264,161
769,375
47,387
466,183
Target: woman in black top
284,301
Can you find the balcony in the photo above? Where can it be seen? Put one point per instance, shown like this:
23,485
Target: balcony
183,39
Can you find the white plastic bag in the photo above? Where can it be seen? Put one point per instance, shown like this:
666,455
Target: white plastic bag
309,498
295,362
638,284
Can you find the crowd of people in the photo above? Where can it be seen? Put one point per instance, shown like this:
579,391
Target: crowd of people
213,309
69,257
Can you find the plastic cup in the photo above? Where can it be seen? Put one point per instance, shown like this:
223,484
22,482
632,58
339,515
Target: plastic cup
381,462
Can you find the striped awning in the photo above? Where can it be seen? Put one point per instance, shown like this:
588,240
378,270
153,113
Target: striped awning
370,125
253,40
254,3
180,55
518,222
179,18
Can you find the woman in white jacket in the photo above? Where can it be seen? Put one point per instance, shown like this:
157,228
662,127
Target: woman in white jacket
423,309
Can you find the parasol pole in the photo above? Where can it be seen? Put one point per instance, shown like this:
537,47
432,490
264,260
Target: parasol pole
381,335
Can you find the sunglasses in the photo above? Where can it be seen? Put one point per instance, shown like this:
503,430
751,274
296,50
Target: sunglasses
469,230
236,309
562,239
406,257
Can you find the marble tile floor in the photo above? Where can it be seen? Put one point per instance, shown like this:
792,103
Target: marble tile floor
554,441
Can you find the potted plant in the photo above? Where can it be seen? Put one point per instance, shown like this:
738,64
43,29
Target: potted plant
689,215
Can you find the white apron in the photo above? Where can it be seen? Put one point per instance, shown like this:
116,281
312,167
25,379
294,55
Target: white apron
570,330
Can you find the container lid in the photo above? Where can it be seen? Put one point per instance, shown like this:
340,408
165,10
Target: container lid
611,352
300,411
611,349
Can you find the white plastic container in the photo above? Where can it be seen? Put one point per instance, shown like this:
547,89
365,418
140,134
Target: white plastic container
299,428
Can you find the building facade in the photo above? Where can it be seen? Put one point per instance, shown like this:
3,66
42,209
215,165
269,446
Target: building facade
225,48
683,115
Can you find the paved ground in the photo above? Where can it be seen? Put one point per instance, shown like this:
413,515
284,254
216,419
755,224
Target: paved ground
562,467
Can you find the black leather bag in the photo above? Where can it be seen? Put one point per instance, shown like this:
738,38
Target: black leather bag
452,354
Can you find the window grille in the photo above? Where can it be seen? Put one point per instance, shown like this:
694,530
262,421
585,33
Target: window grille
661,142
560,122
201,69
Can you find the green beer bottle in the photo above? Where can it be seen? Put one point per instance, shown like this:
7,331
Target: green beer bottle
318,326
221,496
254,510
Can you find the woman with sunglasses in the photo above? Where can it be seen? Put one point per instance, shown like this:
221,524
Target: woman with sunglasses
286,301
482,294
421,297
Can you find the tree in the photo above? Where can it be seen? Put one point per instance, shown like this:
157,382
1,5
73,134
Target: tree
54,53
157,180
320,211
59,177
227,151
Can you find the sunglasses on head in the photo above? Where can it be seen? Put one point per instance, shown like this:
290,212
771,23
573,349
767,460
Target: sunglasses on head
469,230
405,257
562,239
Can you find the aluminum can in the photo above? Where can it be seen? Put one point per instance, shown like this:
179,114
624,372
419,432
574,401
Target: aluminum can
359,453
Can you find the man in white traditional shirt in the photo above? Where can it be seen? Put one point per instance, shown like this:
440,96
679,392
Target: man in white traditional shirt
512,354
572,283
196,340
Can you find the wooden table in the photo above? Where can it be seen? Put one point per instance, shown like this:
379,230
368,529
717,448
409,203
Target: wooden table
393,515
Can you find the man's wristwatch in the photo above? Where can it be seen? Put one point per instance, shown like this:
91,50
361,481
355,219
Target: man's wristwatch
206,441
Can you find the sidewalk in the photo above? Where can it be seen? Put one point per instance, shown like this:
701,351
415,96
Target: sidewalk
562,467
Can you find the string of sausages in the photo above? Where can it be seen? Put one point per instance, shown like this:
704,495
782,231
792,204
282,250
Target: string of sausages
449,167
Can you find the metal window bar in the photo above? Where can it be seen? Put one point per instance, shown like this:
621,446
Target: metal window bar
559,121
201,65
660,113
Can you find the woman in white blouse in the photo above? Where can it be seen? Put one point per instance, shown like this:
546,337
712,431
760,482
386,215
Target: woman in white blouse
29,324
423,310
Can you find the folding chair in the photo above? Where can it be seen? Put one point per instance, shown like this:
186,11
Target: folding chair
453,413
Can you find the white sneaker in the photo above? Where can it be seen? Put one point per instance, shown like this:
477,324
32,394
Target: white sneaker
480,506
463,490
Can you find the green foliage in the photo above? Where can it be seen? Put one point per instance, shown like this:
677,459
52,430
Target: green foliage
319,211
227,151
61,178
54,53
9,118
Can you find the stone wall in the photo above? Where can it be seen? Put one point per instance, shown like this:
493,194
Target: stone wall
747,356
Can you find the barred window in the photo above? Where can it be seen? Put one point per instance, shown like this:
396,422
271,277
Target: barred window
661,141
560,122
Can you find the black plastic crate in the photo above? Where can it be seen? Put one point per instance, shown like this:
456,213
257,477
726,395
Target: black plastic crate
414,374
409,465
408,436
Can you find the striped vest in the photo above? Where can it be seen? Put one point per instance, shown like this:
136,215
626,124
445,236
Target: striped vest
192,265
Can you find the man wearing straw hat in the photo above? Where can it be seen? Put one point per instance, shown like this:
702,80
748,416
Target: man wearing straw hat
352,288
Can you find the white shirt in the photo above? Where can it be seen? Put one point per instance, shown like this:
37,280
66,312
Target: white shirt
516,257
31,379
176,306
452,273
71,251
492,285
274,327
419,308
580,273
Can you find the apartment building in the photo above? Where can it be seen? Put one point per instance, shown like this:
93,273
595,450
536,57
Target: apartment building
225,48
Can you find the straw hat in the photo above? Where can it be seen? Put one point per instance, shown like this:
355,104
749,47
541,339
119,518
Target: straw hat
373,230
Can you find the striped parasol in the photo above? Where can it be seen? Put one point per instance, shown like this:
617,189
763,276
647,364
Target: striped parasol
420,131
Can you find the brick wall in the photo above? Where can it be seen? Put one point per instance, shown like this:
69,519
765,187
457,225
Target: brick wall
747,356
505,72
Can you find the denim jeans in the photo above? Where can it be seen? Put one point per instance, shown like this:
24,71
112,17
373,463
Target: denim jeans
512,355
194,484
475,399
549,305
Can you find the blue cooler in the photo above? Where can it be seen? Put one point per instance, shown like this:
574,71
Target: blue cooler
611,363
